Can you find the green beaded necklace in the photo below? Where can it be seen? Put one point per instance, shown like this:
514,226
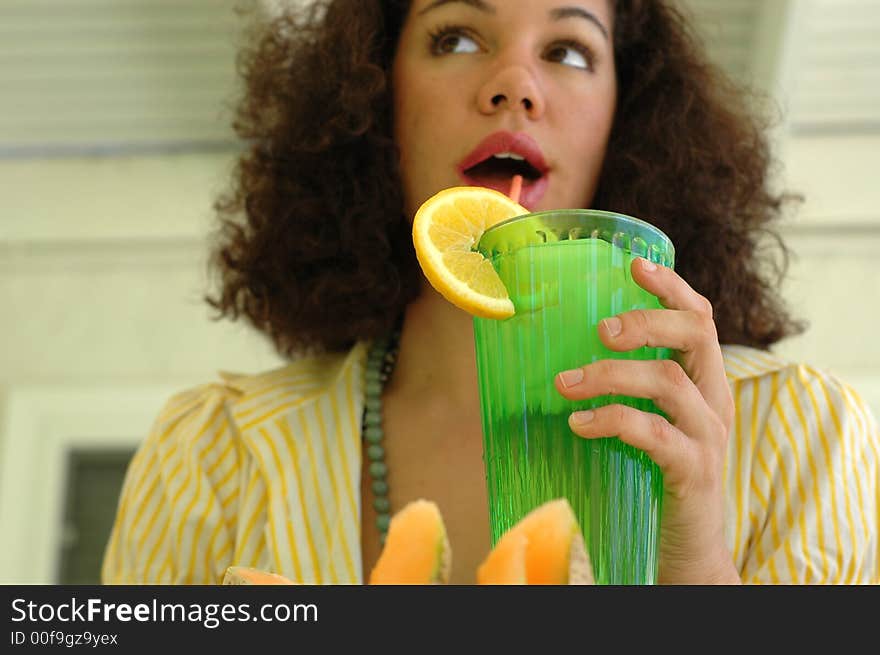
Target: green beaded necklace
380,364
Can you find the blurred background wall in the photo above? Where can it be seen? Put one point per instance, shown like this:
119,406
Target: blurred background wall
115,140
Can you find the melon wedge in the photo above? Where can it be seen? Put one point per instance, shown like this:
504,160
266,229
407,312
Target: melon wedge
245,575
506,564
416,549
544,548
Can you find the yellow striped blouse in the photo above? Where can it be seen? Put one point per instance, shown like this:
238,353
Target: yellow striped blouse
264,471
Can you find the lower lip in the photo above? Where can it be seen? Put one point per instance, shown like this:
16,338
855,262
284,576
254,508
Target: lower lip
530,196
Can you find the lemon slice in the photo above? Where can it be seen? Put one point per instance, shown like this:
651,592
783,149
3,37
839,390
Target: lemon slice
446,229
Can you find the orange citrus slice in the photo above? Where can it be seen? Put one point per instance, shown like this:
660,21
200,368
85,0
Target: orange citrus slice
446,230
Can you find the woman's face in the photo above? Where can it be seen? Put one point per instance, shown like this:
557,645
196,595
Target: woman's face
487,89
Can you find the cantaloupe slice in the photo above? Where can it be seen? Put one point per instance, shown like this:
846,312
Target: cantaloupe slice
237,575
416,549
506,564
544,548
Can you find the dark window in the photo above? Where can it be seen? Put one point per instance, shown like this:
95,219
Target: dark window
94,480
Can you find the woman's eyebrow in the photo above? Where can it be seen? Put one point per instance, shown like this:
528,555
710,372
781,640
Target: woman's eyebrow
556,14
476,4
578,12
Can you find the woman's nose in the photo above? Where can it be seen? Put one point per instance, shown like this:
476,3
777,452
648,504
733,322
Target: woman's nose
514,89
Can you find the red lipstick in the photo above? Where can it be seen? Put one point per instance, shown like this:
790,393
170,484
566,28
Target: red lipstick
519,144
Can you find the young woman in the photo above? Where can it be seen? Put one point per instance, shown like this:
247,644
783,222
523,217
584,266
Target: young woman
355,114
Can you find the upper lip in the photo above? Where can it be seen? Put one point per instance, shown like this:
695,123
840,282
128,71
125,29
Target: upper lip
518,143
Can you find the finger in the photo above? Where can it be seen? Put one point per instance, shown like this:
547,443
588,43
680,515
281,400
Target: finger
663,381
692,334
669,287
685,331
663,442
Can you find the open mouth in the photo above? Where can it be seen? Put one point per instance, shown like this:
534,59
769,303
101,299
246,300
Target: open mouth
500,169
499,158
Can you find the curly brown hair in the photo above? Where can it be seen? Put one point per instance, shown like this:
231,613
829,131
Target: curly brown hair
315,251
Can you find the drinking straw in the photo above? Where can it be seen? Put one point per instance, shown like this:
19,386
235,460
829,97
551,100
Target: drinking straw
515,188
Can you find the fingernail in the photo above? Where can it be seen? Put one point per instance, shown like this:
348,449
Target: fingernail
648,265
572,377
613,325
582,418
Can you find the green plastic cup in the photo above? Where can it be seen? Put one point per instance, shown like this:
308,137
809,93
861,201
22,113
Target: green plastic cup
565,271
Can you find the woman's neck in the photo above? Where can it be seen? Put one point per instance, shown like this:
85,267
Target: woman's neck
436,351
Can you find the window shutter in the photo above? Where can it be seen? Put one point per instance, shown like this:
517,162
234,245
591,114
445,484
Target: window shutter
109,74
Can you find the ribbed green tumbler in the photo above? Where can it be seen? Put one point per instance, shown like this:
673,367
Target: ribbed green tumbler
566,270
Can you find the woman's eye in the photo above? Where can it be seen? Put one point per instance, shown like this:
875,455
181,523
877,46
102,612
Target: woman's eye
570,55
453,43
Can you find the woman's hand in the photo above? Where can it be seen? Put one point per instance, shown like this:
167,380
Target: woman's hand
689,447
